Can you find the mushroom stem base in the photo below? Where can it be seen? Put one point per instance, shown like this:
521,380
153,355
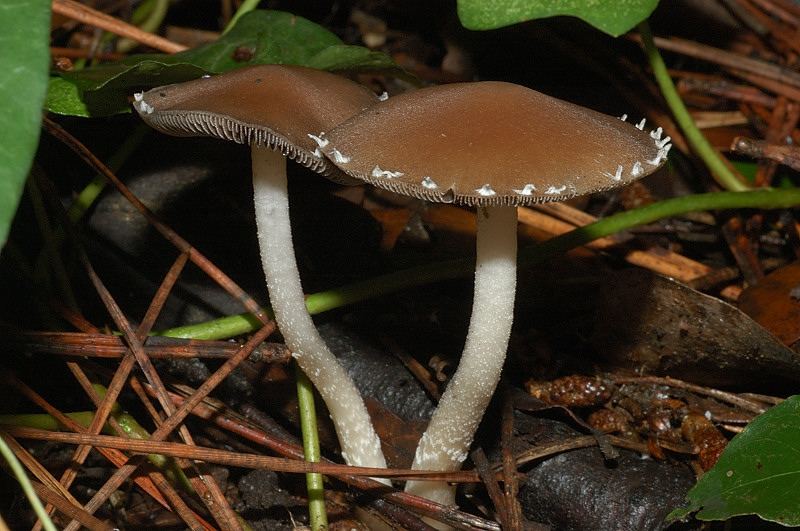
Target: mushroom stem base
445,443
359,443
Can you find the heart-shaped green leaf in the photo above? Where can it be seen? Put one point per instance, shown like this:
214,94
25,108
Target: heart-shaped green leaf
614,17
758,473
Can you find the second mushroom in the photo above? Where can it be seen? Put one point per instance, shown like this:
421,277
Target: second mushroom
274,108
493,146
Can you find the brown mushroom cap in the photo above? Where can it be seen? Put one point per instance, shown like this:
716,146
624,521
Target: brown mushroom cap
273,105
491,143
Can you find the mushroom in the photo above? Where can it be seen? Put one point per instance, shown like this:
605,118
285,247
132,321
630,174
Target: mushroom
493,146
274,108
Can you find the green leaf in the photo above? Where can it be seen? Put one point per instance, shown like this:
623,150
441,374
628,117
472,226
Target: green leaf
25,57
355,58
64,97
758,473
270,36
614,17
105,90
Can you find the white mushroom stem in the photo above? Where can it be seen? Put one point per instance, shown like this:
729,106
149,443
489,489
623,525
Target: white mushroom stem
359,443
445,443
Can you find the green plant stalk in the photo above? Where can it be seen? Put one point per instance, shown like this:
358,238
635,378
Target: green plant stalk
764,198
19,472
308,427
134,430
86,197
129,425
167,465
699,143
43,421
148,17
221,328
246,7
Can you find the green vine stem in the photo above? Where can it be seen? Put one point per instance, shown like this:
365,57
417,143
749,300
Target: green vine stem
18,471
318,518
701,146
765,198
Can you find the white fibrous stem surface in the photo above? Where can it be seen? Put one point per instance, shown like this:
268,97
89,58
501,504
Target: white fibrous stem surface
446,442
359,443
